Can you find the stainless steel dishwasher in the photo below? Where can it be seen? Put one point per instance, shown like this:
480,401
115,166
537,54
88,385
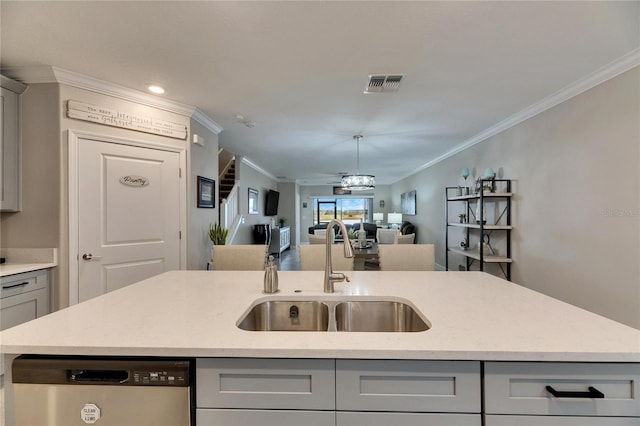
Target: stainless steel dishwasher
66,391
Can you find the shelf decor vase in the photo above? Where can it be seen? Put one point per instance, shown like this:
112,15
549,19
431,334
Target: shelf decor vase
484,213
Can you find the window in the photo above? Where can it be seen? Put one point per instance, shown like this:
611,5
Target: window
348,210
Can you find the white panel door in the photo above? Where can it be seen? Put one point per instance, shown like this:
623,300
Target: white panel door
128,215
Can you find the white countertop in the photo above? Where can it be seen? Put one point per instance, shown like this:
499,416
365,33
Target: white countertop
27,260
473,316
7,269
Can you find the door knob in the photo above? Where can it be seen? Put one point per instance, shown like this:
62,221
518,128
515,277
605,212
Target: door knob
89,256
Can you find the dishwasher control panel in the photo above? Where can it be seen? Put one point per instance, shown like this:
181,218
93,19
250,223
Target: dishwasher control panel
101,371
161,377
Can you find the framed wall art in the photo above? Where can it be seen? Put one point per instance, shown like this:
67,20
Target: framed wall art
408,202
206,193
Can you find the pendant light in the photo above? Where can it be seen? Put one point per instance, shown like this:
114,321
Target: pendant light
358,182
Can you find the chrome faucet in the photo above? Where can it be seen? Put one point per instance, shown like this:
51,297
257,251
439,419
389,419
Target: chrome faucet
329,276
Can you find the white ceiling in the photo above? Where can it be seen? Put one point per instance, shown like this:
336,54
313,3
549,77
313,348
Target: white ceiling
298,69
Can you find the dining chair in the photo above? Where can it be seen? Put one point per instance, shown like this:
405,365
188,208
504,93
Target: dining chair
317,239
387,236
313,258
323,232
249,257
402,257
405,239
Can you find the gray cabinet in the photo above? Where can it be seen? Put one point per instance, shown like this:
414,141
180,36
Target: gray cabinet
10,161
350,392
299,384
560,421
406,419
408,386
23,297
213,417
585,393
264,392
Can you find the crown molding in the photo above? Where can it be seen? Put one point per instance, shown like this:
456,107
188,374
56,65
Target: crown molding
50,74
257,168
607,72
12,85
206,121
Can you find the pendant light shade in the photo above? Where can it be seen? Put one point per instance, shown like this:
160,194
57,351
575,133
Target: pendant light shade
358,182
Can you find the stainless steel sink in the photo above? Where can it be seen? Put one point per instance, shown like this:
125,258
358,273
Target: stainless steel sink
334,315
284,315
378,316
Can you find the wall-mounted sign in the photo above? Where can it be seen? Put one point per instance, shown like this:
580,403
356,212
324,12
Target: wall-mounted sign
132,180
124,120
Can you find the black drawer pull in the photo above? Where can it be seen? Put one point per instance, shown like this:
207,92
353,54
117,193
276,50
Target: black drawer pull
6,287
592,393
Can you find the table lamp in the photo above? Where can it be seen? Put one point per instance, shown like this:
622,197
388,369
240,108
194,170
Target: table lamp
394,219
378,217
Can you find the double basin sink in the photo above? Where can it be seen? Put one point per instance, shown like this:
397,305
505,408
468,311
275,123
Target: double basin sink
334,315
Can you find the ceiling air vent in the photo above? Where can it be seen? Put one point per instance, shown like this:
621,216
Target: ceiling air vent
383,83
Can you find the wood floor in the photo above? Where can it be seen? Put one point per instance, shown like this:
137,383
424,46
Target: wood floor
290,261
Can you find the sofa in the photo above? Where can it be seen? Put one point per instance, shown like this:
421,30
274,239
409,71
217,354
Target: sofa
371,228
407,228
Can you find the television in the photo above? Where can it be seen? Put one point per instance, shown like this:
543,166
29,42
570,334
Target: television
271,204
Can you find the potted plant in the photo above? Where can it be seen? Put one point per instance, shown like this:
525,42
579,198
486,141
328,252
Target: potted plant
218,234
282,221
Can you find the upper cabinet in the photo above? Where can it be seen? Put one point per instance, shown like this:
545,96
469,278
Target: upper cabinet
10,159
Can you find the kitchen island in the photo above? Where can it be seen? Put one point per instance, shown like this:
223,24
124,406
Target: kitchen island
472,317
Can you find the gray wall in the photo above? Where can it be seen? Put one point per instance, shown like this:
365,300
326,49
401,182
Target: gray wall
251,178
37,225
287,207
576,211
204,162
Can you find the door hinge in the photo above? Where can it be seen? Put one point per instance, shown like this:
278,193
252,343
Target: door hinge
179,235
179,172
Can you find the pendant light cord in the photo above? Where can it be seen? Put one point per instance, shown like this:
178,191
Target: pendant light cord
357,138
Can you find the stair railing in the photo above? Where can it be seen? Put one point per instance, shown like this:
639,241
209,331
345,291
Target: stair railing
230,217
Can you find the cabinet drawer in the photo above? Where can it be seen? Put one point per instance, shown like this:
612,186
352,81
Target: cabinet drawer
213,417
23,307
411,386
22,283
406,419
521,388
266,383
559,421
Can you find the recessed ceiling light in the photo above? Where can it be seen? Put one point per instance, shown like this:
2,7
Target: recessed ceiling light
156,89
